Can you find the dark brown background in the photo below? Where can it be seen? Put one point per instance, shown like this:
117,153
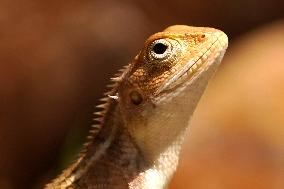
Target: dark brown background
56,58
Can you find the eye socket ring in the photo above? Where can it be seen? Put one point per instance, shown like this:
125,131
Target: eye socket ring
162,54
160,49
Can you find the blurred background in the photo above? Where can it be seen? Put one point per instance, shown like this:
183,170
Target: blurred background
57,56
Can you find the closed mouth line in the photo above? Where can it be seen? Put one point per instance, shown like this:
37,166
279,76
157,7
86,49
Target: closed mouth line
190,69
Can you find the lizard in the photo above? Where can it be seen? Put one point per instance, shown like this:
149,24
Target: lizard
146,113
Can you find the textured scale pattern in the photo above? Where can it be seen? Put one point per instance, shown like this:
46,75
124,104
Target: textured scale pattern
144,116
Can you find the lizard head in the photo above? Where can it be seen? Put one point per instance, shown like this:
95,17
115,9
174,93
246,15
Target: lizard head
163,84
172,57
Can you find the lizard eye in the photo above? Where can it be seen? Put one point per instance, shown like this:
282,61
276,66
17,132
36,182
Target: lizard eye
160,49
136,97
162,54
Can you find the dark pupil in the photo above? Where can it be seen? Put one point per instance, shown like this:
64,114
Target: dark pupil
160,48
136,98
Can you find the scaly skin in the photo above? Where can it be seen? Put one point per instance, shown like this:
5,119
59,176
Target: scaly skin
146,113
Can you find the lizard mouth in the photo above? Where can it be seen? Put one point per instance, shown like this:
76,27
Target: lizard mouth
192,68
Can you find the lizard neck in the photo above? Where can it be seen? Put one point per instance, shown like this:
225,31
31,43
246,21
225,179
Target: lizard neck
113,158
136,159
123,161
161,168
110,160
161,146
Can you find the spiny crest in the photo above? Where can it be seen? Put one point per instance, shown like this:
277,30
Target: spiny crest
95,128
103,108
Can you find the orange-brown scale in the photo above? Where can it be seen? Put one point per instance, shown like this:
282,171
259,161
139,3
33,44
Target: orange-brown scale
148,80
